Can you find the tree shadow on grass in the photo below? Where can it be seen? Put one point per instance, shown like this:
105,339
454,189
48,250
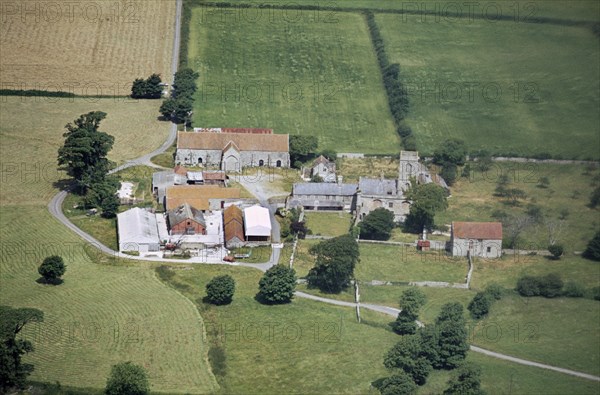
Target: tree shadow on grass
262,300
63,184
44,281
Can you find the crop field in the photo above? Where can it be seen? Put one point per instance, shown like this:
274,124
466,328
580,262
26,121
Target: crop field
106,311
520,10
312,78
566,196
87,48
506,98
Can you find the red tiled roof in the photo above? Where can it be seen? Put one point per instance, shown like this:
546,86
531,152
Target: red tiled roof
477,230
213,175
198,196
181,170
218,141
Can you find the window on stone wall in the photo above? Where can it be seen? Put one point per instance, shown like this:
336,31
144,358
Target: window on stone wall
489,249
390,204
261,162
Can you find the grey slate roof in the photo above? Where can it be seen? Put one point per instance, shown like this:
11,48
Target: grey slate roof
183,213
377,186
324,188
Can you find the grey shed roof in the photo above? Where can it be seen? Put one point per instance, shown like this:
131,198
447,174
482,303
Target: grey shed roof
324,188
377,186
183,213
163,179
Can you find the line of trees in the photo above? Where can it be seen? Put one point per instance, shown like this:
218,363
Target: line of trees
84,157
442,345
396,92
178,107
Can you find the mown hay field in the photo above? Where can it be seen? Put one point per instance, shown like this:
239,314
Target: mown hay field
85,47
307,78
106,311
516,89
32,130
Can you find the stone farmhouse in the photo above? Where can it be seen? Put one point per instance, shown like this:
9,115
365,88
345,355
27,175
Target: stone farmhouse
323,196
369,194
232,149
482,239
322,167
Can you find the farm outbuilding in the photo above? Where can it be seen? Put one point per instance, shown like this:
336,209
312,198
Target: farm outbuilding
482,239
138,231
187,220
234,227
257,223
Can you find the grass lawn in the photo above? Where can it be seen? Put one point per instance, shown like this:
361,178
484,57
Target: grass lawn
561,332
167,158
103,313
328,224
405,264
319,79
503,377
569,191
507,270
491,84
258,254
302,347
303,261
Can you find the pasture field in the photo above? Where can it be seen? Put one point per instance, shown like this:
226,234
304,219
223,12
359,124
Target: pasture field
567,195
520,10
561,332
313,347
103,313
328,224
319,79
89,48
491,84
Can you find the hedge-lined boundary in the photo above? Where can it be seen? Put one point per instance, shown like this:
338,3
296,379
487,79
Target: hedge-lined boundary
35,92
593,26
392,82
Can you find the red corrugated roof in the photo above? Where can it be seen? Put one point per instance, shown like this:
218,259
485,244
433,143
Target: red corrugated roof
477,230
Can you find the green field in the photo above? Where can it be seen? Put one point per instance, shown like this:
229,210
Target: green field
561,332
312,348
520,10
318,79
492,85
103,313
569,190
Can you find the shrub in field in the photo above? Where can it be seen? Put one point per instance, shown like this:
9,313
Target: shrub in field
127,379
573,290
52,268
220,290
592,250
277,285
480,305
495,291
551,285
556,250
410,302
528,286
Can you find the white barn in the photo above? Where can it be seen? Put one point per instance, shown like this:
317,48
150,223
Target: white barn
257,223
482,239
138,231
